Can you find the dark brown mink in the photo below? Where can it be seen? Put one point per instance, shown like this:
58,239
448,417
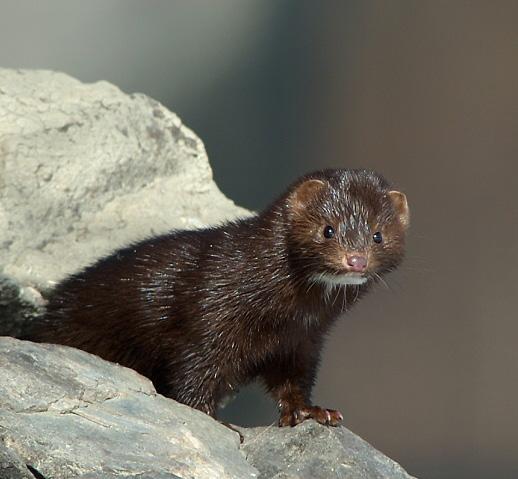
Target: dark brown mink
202,312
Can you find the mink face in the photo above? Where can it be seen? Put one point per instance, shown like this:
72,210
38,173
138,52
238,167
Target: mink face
202,312
346,227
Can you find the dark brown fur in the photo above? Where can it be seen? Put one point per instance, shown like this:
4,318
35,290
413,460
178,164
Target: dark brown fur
203,312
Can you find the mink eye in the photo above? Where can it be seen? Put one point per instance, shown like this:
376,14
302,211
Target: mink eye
377,237
329,231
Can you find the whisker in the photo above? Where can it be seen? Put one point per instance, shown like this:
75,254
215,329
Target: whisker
382,281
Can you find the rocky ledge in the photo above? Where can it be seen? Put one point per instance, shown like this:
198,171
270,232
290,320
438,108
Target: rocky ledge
65,413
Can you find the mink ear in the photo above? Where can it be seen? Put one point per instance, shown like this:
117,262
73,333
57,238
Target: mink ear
401,206
304,193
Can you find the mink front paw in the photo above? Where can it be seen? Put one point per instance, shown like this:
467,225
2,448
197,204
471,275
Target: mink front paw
292,417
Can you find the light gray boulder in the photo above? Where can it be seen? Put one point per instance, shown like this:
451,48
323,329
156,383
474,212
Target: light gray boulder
12,466
313,451
85,169
69,414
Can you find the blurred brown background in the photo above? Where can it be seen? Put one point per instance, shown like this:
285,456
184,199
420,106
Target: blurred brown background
425,92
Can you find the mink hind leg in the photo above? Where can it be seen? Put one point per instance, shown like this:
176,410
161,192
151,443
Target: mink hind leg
290,382
181,385
202,398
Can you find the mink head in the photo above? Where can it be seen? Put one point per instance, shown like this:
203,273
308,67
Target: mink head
346,226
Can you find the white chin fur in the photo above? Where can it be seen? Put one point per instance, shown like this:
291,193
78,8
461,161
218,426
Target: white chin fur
332,280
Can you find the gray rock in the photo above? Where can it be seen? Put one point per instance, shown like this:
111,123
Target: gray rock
85,169
16,307
11,465
313,451
70,414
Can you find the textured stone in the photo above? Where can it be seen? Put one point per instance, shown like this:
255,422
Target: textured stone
313,451
85,169
11,465
68,413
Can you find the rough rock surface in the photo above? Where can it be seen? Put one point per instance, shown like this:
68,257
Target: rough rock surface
312,451
68,413
11,465
84,169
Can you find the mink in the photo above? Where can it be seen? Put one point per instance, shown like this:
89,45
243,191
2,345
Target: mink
203,312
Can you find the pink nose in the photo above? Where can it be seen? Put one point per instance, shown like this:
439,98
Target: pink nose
357,263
